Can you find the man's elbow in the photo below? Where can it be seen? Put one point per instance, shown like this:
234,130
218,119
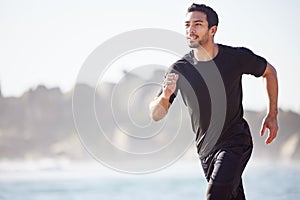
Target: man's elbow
156,112
155,118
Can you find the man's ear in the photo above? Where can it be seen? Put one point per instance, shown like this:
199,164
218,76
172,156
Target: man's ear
213,30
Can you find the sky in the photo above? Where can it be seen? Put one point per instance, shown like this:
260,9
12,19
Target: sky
46,42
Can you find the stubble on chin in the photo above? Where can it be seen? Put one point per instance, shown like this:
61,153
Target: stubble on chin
193,44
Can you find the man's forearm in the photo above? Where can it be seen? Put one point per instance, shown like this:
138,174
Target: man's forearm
272,89
159,108
270,121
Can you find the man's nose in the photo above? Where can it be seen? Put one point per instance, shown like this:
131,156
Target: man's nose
190,29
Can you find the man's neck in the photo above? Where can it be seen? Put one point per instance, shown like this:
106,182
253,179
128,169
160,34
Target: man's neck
206,52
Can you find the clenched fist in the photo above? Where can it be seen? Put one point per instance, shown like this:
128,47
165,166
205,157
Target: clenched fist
169,85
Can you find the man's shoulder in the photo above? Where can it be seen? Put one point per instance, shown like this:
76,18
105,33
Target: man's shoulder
234,50
187,59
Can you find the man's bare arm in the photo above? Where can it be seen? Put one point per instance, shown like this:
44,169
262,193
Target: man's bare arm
159,108
160,105
270,122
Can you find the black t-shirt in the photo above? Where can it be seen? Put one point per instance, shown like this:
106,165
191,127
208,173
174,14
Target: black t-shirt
212,92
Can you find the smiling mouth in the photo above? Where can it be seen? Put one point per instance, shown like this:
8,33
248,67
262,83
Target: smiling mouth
192,37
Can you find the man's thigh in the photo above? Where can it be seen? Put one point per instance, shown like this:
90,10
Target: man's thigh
223,170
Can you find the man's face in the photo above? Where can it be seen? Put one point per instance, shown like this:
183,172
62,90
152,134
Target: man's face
197,31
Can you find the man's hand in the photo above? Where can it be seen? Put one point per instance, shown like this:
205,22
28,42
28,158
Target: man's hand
160,105
169,85
270,123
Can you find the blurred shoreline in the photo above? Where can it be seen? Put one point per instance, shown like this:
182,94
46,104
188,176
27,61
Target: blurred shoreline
48,169
39,128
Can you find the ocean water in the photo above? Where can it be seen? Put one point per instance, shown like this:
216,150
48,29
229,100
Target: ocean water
49,180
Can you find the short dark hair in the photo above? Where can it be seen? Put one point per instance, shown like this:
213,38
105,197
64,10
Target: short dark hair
211,15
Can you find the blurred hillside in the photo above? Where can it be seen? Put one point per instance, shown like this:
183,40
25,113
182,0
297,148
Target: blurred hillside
40,123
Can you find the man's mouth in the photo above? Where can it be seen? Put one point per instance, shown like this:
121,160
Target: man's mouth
193,37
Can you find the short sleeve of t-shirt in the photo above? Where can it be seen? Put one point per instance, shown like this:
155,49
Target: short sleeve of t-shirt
171,69
251,63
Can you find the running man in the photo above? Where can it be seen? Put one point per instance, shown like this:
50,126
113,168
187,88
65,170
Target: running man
224,162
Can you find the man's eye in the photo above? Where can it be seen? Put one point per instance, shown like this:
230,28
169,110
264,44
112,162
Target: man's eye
187,25
198,24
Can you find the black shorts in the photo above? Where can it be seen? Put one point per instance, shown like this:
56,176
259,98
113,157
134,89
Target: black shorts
223,170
